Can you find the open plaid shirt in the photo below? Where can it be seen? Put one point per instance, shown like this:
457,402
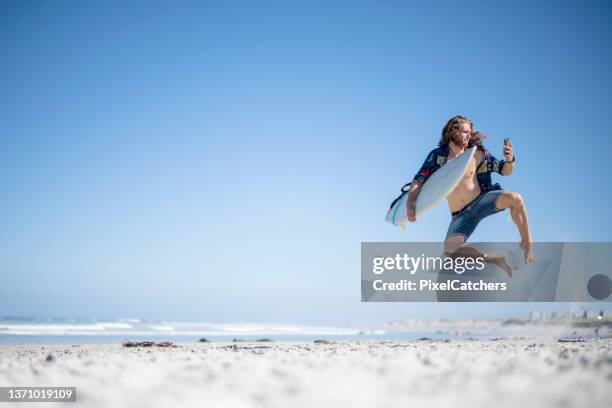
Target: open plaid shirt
438,156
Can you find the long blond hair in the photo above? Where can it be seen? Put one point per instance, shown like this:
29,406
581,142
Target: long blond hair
476,137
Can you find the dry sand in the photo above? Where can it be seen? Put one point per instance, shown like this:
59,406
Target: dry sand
503,373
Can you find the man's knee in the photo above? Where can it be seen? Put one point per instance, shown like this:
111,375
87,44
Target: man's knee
453,243
509,199
517,200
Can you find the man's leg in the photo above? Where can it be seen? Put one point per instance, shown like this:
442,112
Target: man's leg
453,243
518,211
454,248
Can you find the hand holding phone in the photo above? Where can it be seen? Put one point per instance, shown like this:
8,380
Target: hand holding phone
508,151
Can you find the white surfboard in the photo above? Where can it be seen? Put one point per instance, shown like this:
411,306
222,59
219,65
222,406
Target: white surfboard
437,187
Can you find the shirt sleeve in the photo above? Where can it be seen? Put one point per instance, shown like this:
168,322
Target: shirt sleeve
496,165
430,165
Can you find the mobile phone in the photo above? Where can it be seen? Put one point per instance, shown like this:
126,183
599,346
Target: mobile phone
506,141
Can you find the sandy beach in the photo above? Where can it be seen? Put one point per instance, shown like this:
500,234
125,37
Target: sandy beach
503,373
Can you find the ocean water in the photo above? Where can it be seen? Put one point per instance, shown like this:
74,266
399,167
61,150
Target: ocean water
50,330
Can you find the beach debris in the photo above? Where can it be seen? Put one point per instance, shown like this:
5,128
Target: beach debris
148,344
166,344
137,344
234,347
571,340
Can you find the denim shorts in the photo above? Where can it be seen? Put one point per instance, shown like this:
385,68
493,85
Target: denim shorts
464,222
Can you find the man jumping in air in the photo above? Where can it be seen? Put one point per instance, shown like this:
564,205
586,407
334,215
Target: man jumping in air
475,197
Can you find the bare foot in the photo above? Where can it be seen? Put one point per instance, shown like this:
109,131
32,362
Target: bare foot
499,259
527,247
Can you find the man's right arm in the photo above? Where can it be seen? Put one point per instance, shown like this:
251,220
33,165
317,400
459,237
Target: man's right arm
415,188
430,165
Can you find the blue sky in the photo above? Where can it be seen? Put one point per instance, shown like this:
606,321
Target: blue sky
222,161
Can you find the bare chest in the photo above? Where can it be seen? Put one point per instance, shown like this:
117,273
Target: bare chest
470,173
